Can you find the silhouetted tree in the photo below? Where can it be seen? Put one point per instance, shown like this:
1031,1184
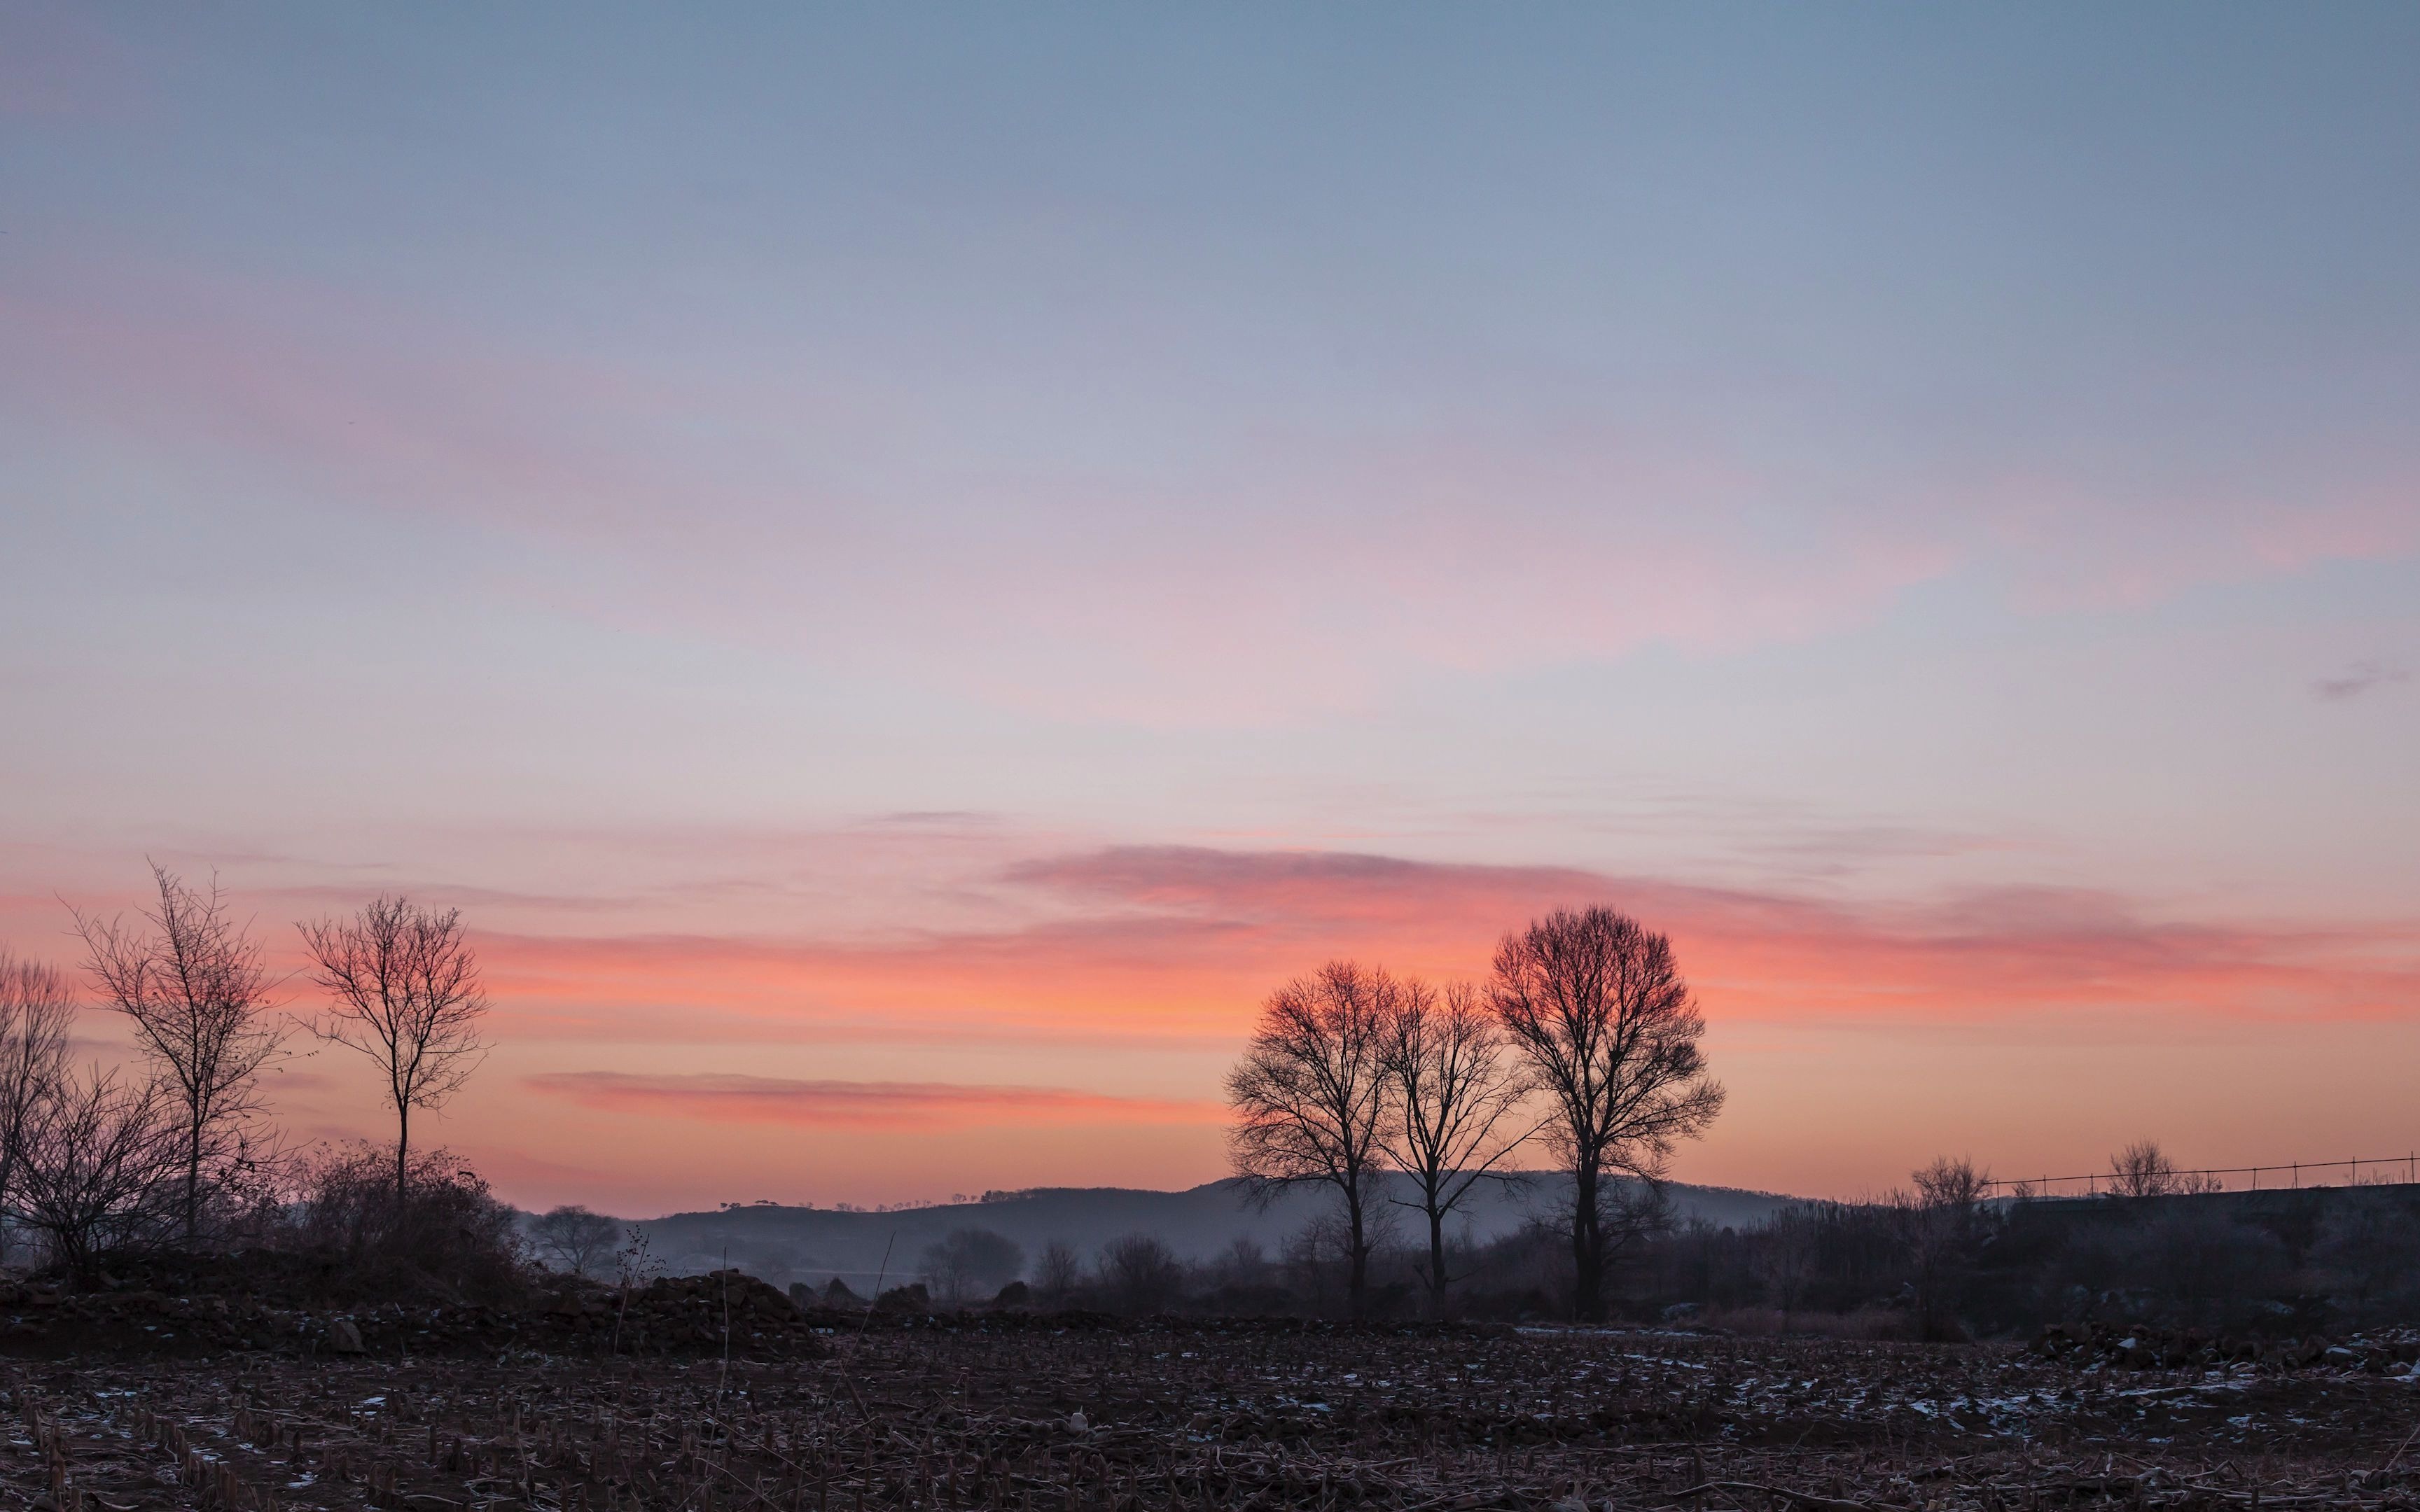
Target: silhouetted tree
1059,1272
1141,1273
1454,1092
1242,1264
971,1261
2142,1169
1311,1093
1788,1259
196,989
35,1011
405,992
1941,1227
574,1239
99,1167
1597,1003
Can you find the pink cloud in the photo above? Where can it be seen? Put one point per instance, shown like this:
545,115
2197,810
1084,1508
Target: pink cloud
1178,945
729,1098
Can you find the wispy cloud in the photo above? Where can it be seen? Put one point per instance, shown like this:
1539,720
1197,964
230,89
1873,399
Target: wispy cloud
1319,569
2358,679
733,1098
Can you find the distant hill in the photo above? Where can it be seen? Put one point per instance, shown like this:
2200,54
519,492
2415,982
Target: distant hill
784,1244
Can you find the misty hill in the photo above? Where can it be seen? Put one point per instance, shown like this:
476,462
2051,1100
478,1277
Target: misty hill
784,1244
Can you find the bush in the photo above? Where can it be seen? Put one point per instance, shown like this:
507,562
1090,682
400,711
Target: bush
911,1297
448,1238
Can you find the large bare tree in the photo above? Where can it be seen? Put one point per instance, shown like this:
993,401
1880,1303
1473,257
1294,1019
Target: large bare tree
404,990
1596,1002
193,984
37,1009
1311,1097
1455,1105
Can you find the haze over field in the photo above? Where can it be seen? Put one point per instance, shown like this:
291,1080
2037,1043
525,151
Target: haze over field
904,567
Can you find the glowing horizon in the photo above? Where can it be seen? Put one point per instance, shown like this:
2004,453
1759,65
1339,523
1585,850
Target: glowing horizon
903,574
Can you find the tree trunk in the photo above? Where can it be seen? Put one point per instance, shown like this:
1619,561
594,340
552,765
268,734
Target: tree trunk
402,1143
193,1181
1357,1278
1436,1263
1587,1247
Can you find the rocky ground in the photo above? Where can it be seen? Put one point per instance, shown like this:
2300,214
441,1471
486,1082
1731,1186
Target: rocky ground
1042,1415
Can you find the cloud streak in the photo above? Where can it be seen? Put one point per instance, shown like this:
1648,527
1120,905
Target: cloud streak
1178,944
2358,679
730,1097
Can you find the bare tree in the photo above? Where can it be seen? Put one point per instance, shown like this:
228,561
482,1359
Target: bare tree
405,989
99,1166
1058,1271
193,984
2142,1169
1597,1003
1242,1264
1454,1089
1943,1230
1142,1274
971,1261
35,1011
635,1269
577,1240
1786,1262
1954,1186
1310,1097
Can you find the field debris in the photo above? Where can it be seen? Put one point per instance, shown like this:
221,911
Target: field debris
934,1414
2385,1353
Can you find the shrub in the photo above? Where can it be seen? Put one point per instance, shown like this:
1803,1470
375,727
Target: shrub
448,1238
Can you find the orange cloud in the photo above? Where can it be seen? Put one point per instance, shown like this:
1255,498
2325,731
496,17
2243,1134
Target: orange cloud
1176,946
737,1099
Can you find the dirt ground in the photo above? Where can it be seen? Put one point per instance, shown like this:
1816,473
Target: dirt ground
1040,1418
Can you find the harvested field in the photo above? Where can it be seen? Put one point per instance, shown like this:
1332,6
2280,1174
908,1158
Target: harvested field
1040,1417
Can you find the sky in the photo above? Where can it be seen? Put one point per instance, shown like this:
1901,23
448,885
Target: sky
905,565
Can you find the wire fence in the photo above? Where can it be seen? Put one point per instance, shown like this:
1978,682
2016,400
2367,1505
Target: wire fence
2385,1170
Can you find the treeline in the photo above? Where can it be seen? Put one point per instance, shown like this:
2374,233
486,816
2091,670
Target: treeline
172,1157
1937,1260
2161,1249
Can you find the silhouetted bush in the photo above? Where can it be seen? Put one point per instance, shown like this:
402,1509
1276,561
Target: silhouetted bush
448,1238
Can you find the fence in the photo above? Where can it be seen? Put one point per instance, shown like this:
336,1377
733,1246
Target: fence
2361,1171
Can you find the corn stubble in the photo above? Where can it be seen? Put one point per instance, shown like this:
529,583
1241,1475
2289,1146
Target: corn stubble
918,1416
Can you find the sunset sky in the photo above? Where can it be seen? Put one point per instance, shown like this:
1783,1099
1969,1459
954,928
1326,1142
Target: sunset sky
903,564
